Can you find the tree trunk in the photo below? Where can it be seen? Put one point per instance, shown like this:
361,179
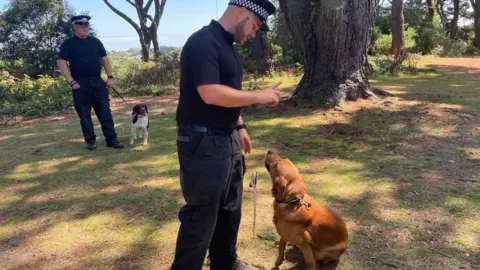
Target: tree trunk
476,9
454,22
332,36
259,53
430,11
398,31
441,14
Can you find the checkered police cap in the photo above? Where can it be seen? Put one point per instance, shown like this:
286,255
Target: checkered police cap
261,8
80,19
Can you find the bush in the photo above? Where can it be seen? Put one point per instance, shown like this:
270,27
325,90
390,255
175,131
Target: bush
136,77
382,65
428,39
27,97
382,43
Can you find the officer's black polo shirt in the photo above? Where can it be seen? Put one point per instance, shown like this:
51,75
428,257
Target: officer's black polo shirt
208,57
83,56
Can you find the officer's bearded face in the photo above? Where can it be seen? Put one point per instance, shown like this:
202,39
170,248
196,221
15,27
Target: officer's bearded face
246,28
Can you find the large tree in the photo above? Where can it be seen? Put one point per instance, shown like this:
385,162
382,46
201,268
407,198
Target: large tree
398,31
31,32
476,22
454,22
430,10
332,36
148,29
450,12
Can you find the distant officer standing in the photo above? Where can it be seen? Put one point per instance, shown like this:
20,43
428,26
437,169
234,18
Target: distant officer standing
86,55
211,135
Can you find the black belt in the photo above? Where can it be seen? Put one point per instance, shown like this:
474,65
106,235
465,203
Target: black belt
93,77
204,129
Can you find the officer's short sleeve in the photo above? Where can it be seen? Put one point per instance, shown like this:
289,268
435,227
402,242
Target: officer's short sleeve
101,50
204,59
63,54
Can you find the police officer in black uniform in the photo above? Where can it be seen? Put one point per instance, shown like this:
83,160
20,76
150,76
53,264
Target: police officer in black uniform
211,135
86,55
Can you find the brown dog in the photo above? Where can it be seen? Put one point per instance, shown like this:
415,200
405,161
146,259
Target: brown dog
316,230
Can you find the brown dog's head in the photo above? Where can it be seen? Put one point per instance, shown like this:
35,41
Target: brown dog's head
286,180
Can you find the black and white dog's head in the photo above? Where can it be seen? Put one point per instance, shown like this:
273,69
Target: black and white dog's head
139,111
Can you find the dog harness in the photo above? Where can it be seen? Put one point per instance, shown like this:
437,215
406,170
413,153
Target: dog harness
296,201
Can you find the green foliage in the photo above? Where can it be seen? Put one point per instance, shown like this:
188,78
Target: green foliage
386,65
31,34
455,48
382,45
28,97
137,53
45,95
424,34
135,77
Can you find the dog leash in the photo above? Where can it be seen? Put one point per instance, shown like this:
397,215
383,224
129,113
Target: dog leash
115,90
253,183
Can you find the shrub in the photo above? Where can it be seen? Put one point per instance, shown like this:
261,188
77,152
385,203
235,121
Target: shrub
139,78
27,97
382,43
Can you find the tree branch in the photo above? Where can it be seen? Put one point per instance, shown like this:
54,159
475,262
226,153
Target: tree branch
159,7
147,6
472,2
125,17
142,12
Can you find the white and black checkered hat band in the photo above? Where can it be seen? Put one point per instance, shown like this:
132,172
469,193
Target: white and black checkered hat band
260,11
82,20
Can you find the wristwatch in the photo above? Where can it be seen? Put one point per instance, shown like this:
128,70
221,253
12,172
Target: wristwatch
238,127
110,76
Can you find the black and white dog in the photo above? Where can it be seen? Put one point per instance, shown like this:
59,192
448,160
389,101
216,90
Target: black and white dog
139,120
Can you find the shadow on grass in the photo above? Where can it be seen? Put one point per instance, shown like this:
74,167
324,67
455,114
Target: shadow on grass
448,84
63,183
415,186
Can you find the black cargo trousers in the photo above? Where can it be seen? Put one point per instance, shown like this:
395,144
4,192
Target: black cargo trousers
211,175
93,93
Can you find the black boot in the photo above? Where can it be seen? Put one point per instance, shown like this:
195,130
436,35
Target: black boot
91,145
240,266
115,144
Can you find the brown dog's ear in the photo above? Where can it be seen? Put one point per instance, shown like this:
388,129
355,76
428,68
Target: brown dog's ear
279,188
146,108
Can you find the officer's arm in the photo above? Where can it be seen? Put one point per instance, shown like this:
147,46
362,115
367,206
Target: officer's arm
225,96
63,57
107,66
62,66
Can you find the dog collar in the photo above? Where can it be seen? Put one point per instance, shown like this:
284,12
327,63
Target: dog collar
295,201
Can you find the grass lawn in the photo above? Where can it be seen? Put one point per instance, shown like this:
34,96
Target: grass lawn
404,172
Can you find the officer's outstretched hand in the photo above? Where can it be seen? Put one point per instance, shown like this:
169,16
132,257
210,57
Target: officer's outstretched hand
270,95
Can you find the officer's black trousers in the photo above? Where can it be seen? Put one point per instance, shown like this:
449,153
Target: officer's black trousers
93,93
211,176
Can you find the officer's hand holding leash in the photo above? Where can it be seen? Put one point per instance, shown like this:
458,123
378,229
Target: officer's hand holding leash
109,81
75,85
270,95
